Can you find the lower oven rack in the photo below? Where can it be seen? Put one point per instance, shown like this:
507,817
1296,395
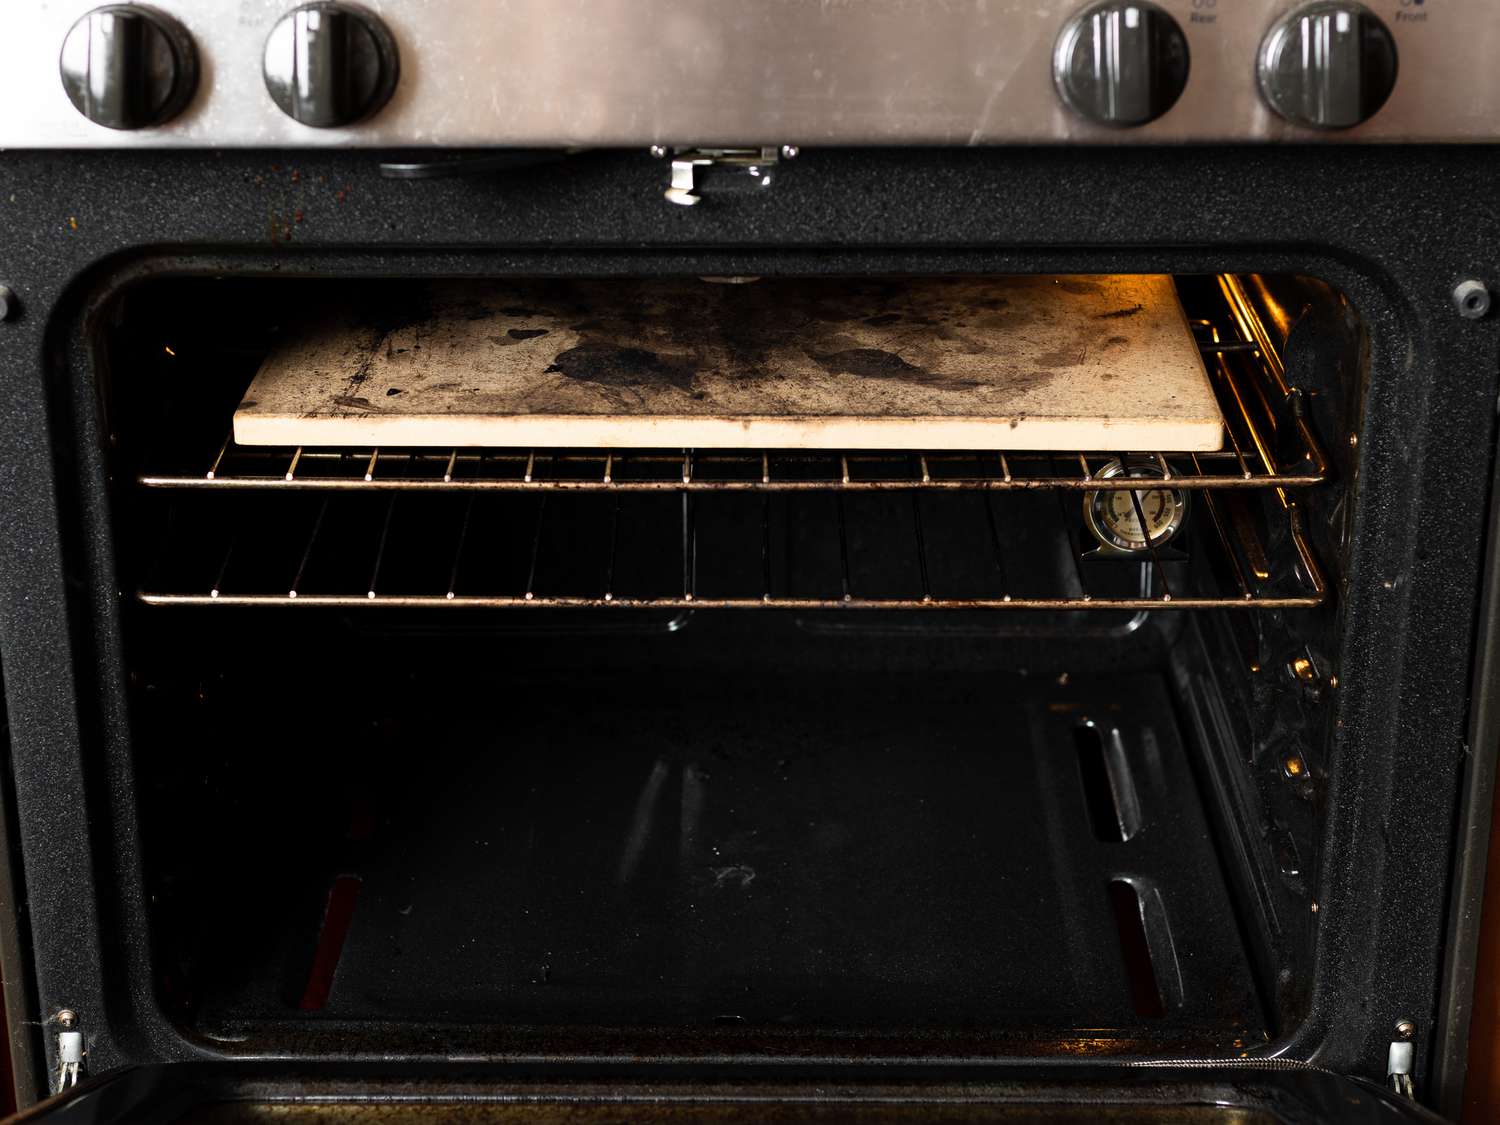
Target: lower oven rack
902,557
350,601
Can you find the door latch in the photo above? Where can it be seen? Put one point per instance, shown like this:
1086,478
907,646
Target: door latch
732,169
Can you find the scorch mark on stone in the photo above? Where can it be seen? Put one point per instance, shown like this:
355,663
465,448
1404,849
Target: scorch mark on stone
740,873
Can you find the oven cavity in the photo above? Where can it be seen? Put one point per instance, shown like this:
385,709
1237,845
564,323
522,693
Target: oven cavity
543,751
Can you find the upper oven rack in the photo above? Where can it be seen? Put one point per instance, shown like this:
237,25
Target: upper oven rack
1267,443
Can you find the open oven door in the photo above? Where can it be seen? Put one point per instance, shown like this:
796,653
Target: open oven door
1267,1092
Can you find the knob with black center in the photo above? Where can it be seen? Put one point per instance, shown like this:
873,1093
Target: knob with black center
126,66
330,64
1121,62
1328,65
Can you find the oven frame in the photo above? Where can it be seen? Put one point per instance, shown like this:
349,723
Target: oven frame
1395,228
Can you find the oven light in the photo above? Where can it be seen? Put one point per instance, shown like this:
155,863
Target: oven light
168,349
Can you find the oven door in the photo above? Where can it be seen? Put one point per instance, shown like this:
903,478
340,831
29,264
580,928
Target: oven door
1267,1093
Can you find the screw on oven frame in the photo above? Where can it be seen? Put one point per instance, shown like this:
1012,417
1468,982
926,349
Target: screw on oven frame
8,302
1472,299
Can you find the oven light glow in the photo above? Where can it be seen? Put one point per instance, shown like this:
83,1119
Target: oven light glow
168,349
1132,17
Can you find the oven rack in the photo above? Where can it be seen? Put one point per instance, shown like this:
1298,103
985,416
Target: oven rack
975,551
1268,443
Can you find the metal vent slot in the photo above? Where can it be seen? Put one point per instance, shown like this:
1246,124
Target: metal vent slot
1114,807
1129,911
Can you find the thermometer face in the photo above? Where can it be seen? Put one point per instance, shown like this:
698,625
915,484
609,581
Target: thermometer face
1112,516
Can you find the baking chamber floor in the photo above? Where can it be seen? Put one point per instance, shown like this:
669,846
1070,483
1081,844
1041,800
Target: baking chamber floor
858,852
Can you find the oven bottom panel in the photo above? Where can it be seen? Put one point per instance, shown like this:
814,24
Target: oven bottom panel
790,845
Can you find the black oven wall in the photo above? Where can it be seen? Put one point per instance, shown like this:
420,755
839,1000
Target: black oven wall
1395,229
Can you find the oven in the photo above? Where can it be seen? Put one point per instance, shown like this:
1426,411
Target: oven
903,777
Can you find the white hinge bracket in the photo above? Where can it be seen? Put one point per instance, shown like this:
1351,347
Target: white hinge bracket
1398,1067
70,1051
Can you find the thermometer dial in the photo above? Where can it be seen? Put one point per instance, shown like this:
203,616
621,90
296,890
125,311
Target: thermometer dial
1114,519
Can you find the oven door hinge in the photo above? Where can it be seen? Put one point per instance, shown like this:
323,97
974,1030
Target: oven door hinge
70,1052
1398,1067
732,169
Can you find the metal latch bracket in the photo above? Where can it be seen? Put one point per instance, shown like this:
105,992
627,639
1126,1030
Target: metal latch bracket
755,167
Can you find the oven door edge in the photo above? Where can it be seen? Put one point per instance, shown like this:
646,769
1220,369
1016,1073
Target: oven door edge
1473,844
1265,1091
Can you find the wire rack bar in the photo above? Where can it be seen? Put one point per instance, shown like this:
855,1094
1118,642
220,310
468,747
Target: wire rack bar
489,601
955,485
970,472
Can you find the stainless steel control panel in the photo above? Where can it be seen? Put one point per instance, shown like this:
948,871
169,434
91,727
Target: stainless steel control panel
393,73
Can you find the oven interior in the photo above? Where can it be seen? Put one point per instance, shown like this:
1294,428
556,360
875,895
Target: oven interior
497,751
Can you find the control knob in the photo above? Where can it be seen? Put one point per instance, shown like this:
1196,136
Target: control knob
125,66
1328,65
329,64
1122,62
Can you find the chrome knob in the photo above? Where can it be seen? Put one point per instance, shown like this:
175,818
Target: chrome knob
128,67
1328,65
1122,62
330,64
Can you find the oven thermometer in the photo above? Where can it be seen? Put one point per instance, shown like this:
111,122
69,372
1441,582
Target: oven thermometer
1111,516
